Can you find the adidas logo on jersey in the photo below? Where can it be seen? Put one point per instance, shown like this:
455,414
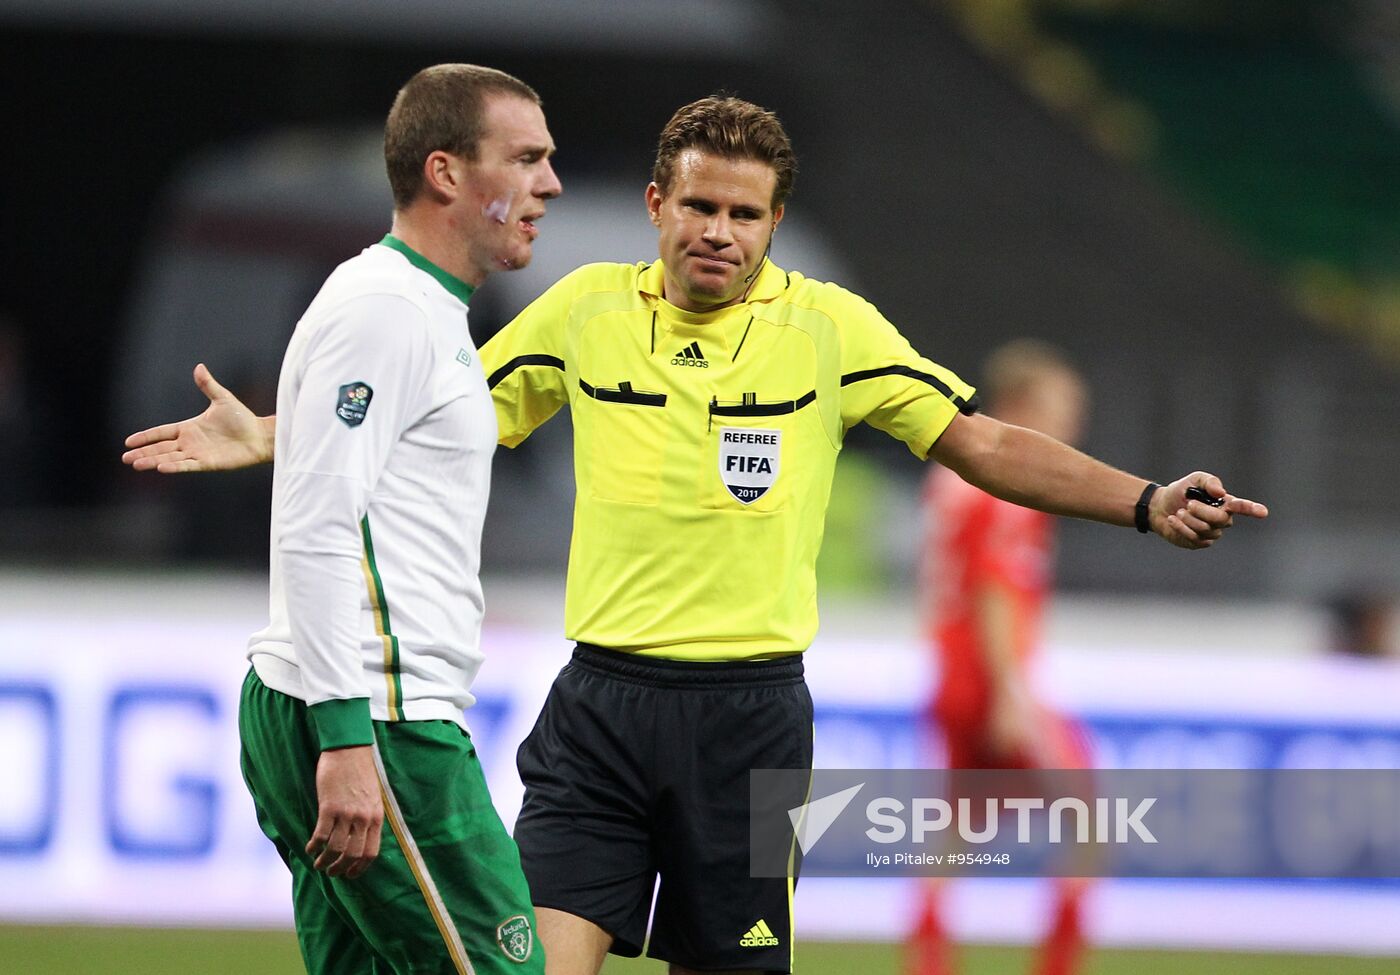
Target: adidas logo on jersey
690,356
759,936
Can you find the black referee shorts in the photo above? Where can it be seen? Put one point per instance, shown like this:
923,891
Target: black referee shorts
639,768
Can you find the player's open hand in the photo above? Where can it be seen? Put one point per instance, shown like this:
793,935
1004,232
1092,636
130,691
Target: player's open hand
350,812
1189,523
226,436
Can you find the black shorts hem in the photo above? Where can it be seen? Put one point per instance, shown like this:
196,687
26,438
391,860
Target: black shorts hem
619,947
784,969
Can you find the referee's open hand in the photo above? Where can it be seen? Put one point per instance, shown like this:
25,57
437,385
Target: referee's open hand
351,812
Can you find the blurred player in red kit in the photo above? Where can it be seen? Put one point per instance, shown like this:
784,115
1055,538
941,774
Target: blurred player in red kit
985,576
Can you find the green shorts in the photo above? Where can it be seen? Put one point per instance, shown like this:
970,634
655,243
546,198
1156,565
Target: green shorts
445,895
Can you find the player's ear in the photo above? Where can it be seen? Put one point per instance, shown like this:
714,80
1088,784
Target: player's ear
777,217
442,176
654,199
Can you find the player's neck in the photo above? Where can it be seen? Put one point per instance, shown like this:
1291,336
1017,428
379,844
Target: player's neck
437,244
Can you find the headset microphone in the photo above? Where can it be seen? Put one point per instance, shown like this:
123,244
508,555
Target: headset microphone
766,251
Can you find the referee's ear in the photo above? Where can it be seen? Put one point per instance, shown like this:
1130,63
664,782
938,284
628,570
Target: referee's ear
654,200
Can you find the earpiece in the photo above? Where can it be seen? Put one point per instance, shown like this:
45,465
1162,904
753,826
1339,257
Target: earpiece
766,251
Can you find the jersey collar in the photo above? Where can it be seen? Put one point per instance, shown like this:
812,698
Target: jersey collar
770,283
458,288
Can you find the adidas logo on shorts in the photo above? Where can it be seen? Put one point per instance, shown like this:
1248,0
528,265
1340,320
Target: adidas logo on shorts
759,936
690,356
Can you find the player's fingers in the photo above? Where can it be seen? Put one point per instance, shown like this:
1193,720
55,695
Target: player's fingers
143,461
328,842
180,464
143,438
363,845
153,449
367,851
207,384
316,846
335,856
325,856
351,853
157,463
326,861
376,828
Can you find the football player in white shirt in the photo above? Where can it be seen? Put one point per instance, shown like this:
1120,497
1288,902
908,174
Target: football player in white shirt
354,743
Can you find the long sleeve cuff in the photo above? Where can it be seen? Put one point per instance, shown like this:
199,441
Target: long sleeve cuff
343,723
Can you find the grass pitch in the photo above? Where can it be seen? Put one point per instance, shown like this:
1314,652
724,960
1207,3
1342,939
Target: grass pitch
144,951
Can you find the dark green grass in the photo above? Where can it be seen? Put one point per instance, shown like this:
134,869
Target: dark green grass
146,951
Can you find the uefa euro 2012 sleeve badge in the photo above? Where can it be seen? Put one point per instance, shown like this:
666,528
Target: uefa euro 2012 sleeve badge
353,403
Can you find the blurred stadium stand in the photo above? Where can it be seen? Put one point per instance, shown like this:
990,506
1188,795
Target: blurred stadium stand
950,171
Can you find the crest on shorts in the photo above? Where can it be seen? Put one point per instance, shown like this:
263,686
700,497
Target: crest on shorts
353,403
516,938
748,461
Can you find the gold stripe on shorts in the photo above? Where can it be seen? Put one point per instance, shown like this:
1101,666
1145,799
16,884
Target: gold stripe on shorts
415,862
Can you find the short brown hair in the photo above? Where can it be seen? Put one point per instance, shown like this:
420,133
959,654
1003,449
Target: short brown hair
441,107
732,128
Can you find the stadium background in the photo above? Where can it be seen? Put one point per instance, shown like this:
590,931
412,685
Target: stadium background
1197,200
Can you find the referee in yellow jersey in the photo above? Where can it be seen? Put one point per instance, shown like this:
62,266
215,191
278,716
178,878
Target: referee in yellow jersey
710,392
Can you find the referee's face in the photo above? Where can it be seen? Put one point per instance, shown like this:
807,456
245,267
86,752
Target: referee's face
716,219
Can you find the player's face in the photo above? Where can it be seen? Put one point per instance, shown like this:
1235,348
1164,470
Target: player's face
715,220
1058,405
506,186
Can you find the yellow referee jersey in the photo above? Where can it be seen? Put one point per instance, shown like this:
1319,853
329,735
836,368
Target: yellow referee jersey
704,447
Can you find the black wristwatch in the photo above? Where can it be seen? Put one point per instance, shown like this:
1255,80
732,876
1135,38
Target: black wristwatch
1140,510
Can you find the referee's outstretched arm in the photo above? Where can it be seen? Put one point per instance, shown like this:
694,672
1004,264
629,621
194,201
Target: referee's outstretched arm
1031,469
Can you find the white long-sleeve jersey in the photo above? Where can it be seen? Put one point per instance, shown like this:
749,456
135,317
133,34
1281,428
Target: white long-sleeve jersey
385,433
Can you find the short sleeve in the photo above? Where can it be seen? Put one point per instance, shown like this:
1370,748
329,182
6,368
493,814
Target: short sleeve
524,365
885,383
